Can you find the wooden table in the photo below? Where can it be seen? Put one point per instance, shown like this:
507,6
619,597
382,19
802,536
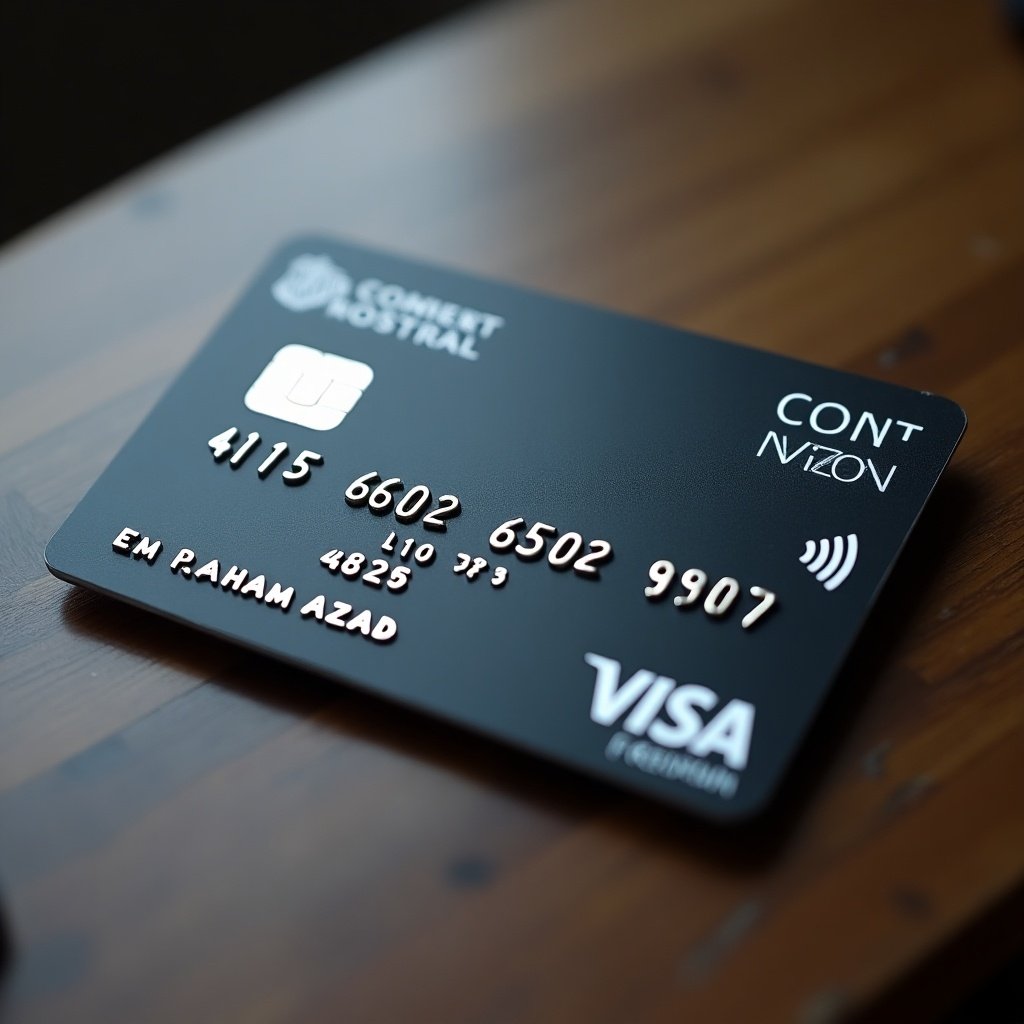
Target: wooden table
192,833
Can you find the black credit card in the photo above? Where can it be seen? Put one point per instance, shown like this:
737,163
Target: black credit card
630,549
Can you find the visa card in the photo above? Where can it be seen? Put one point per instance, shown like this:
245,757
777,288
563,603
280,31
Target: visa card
629,549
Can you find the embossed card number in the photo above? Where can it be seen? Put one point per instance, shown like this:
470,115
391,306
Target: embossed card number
222,446
381,497
720,598
563,553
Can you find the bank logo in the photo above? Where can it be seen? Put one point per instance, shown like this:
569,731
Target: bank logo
310,282
384,308
830,562
305,386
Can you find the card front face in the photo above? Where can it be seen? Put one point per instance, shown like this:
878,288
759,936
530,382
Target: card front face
632,550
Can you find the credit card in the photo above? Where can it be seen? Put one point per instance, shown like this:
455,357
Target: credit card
636,551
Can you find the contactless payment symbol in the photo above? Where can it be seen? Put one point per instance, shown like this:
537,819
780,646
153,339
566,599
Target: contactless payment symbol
831,562
305,386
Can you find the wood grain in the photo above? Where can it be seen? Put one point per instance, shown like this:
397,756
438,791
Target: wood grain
189,832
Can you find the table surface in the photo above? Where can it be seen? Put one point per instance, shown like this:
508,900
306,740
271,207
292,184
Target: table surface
191,832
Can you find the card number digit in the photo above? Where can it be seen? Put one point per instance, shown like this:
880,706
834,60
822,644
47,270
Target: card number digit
301,467
767,599
221,444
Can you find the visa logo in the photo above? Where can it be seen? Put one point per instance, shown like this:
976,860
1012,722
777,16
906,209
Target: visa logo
671,715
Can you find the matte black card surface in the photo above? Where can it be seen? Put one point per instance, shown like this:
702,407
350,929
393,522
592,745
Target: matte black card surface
633,550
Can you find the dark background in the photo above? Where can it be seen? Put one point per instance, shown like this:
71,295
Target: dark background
89,91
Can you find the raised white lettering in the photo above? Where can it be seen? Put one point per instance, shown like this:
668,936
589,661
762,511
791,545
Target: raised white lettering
122,542
182,560
147,549
210,571
282,597
234,578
